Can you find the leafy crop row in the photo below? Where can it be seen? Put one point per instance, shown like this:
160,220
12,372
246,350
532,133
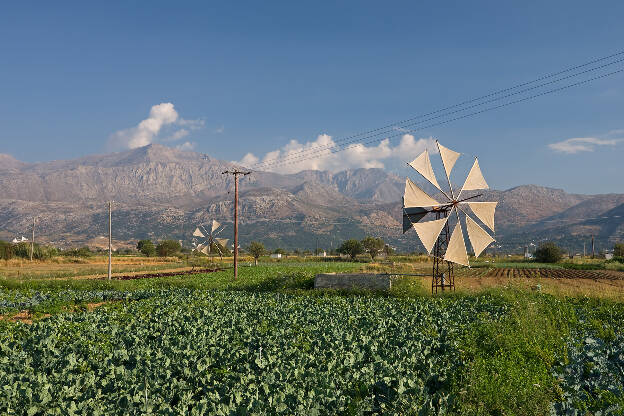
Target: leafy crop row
42,300
592,379
200,352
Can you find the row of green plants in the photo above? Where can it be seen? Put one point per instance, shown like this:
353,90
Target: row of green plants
231,352
187,351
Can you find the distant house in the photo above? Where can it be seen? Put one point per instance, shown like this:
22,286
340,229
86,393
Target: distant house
276,256
608,256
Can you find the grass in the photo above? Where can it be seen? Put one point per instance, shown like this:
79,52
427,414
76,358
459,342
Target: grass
63,267
510,362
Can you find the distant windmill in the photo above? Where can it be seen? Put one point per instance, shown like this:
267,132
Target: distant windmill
435,235
209,240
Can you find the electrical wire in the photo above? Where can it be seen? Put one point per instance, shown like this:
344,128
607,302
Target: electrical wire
378,131
288,161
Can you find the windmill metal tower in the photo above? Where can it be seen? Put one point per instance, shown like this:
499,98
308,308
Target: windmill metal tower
447,248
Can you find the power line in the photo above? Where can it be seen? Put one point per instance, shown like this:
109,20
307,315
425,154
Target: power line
318,150
378,131
288,160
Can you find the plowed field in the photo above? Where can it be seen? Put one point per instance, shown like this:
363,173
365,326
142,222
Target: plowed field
542,273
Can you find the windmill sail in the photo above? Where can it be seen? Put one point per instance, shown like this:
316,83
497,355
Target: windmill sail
222,241
422,165
198,233
456,250
475,179
484,211
412,216
479,238
449,157
416,197
215,225
429,231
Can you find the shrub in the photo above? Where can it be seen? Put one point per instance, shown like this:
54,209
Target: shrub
39,252
548,253
618,250
6,250
168,248
78,252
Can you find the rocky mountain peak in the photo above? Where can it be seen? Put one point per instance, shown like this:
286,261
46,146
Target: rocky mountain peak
157,153
9,162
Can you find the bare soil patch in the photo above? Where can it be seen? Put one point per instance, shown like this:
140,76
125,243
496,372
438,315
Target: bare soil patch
184,272
24,317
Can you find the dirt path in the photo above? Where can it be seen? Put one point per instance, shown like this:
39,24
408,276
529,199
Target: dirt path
26,316
146,274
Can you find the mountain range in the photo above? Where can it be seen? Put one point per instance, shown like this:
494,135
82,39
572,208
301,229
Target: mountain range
160,192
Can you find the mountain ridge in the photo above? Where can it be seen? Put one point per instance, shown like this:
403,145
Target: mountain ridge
150,183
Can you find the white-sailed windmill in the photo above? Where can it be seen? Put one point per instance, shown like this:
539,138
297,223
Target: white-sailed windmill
208,240
435,235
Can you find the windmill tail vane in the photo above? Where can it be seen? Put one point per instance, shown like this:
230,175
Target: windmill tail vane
417,204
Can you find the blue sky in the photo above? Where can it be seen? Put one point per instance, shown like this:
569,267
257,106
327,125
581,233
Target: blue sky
249,77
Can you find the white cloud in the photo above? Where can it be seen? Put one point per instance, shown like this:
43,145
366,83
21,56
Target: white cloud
163,118
220,129
186,146
321,155
177,135
583,144
191,124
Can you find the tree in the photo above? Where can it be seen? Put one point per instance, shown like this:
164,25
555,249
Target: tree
279,251
388,250
373,246
168,248
548,253
618,250
147,248
351,248
256,249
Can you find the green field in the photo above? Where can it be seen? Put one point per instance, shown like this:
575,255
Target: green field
269,344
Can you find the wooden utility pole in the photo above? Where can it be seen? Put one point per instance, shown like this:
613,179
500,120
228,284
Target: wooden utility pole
593,252
110,239
32,241
236,173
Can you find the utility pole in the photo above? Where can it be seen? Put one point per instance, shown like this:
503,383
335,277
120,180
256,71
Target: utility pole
110,239
235,173
593,252
32,241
